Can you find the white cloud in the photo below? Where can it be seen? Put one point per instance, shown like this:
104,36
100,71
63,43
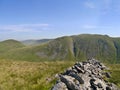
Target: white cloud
89,5
24,27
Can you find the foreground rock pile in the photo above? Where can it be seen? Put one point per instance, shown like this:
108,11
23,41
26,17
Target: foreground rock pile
87,75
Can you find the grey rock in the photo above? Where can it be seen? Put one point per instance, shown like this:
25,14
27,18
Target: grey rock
87,75
74,70
60,86
68,71
71,82
108,75
99,85
79,69
108,88
77,77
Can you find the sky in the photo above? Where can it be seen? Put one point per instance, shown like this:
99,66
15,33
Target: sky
38,19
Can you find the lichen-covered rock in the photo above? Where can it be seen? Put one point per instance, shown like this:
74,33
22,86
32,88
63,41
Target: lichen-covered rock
87,75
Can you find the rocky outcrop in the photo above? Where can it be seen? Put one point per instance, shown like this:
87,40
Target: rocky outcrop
87,75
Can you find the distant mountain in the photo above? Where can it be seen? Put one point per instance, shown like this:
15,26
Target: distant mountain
9,45
77,47
35,42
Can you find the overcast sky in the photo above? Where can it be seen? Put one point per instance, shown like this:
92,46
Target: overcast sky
37,19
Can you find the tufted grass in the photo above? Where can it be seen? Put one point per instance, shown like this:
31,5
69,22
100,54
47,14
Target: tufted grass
23,75
115,73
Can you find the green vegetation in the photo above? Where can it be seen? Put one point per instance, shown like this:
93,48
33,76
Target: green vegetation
16,73
97,46
22,75
79,47
117,46
9,44
58,49
115,73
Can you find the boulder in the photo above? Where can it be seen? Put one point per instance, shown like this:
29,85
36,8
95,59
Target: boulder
60,86
71,82
77,77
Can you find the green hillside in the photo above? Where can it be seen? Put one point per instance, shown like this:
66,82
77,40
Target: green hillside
9,45
117,46
97,46
77,47
58,49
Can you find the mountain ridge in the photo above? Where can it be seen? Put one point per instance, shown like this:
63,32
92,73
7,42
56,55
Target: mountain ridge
75,47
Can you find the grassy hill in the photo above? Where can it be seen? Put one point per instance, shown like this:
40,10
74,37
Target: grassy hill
98,46
9,45
117,46
77,47
58,49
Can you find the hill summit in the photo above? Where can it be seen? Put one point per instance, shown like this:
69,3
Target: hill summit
9,45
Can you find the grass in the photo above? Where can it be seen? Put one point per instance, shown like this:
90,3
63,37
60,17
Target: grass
115,73
9,45
23,75
77,47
